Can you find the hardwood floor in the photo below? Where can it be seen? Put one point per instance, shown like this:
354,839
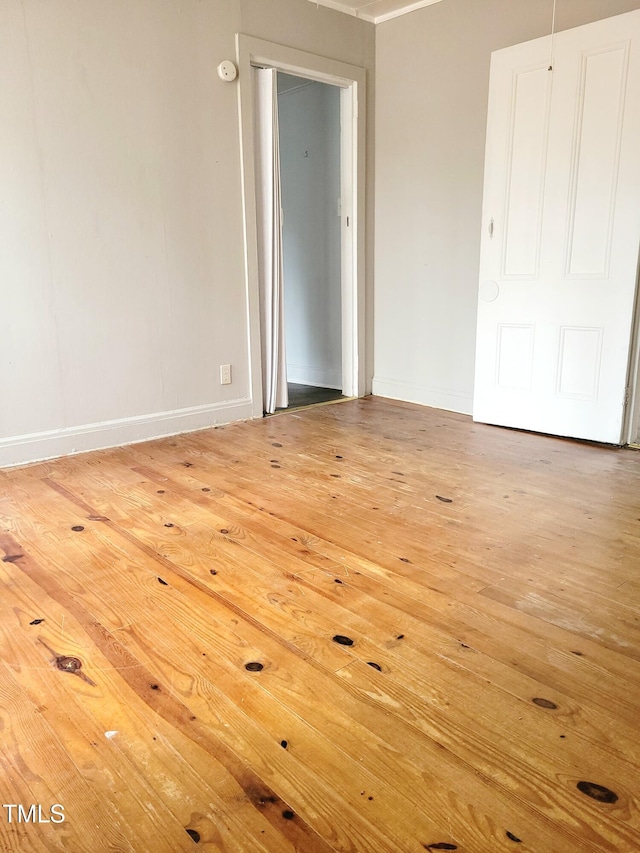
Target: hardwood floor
365,627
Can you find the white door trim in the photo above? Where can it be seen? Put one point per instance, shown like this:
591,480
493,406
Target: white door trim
352,80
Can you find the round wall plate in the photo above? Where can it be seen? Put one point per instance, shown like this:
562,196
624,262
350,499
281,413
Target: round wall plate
227,71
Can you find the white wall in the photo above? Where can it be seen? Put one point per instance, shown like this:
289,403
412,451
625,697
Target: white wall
432,76
309,116
122,276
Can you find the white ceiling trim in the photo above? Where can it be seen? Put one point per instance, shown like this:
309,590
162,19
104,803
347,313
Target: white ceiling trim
372,11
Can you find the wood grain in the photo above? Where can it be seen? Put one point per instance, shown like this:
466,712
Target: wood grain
362,627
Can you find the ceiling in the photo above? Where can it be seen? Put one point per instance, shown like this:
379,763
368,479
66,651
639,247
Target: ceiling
375,11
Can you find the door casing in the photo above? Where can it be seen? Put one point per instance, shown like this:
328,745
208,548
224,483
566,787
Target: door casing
351,79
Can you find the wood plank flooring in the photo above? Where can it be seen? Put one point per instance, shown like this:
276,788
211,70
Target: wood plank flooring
368,627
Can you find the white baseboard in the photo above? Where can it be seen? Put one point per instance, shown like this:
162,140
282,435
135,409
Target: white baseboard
36,447
317,377
437,398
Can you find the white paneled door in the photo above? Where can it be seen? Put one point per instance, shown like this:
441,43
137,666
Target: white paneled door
561,232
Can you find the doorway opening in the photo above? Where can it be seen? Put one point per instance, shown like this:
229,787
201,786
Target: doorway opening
310,178
325,321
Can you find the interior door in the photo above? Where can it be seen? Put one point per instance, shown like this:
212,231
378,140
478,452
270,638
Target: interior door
561,231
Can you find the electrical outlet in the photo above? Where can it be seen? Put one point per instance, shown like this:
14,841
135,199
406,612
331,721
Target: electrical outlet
225,374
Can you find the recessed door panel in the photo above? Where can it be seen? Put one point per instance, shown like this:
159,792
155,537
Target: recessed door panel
580,353
595,167
526,161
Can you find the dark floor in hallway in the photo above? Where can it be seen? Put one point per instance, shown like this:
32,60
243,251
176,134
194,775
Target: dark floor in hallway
308,395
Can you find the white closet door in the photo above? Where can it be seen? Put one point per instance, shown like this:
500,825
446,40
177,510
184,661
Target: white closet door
561,232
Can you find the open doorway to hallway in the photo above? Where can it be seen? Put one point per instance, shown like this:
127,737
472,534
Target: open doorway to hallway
309,137
259,64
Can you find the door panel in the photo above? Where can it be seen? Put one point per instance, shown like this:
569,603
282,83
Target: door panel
526,162
561,229
594,167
